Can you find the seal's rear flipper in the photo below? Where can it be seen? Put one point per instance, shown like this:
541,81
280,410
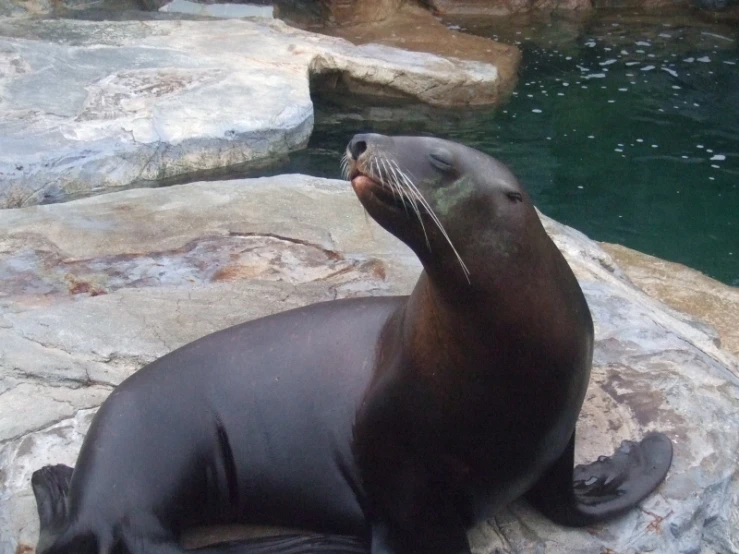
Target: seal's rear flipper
51,488
605,488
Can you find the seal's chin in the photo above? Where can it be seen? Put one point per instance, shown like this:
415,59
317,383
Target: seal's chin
376,193
363,185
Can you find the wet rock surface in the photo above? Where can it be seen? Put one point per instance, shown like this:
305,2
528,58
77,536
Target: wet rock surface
94,106
415,28
96,288
217,9
684,289
497,8
347,12
23,8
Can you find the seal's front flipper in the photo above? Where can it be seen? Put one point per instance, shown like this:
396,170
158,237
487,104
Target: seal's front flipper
605,488
618,482
51,489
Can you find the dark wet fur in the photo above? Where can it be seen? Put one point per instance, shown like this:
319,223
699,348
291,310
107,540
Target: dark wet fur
347,443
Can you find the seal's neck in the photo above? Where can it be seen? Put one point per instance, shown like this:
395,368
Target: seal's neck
535,295
435,330
509,269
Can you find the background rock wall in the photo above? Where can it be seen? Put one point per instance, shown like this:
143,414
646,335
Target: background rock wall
503,7
349,12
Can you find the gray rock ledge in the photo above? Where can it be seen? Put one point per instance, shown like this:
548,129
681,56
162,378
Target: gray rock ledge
93,289
89,107
227,11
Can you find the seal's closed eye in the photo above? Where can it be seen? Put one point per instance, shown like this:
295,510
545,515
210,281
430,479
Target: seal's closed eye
442,160
514,196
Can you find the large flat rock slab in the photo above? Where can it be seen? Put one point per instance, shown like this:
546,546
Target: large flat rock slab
92,290
415,28
684,289
498,8
88,107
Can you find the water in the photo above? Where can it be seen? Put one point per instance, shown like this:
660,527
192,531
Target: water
625,127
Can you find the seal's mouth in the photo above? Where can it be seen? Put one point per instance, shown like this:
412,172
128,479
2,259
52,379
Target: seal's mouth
371,188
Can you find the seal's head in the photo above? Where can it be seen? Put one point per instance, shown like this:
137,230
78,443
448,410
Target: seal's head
460,210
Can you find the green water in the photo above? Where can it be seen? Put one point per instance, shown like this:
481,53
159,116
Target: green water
624,127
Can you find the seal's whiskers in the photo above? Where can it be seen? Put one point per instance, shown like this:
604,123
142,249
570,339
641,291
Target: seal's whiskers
412,188
409,198
387,171
379,176
345,162
394,184
385,175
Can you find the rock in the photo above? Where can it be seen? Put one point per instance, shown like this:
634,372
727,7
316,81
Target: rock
414,28
684,289
154,5
351,12
59,7
94,289
144,104
504,7
645,4
226,11
335,12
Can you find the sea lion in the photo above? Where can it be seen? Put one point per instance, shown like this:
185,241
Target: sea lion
384,425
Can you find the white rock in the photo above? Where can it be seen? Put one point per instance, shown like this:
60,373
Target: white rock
226,11
93,106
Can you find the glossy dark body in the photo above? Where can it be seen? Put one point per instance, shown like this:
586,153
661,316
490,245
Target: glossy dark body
398,421
250,424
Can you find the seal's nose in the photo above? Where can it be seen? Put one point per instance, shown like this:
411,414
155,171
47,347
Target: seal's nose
357,146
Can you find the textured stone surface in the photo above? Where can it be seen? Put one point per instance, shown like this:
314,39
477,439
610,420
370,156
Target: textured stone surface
218,10
504,7
645,4
684,289
416,29
145,103
57,7
349,12
93,289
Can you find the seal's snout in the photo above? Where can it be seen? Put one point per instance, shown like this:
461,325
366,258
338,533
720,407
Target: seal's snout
357,146
366,144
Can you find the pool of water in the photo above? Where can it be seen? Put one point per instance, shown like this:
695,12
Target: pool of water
624,126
